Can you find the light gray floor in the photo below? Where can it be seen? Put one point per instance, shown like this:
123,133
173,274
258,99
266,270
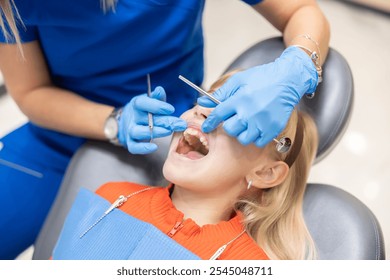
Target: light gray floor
360,164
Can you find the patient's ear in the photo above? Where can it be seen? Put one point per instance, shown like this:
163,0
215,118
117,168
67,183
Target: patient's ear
269,175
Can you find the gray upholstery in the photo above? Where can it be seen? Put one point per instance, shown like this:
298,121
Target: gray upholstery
3,89
341,225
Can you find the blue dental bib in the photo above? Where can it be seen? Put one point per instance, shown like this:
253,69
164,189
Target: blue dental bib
118,236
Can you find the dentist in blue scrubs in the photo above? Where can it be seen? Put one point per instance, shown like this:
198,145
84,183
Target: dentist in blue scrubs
77,69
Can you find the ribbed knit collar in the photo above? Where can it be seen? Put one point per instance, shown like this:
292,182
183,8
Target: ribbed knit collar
165,214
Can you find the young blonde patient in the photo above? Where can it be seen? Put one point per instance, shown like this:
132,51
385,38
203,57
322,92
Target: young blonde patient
225,201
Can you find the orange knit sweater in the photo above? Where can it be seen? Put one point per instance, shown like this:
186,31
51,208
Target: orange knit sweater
155,207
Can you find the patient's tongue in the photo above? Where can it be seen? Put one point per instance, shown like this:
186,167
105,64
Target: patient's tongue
194,155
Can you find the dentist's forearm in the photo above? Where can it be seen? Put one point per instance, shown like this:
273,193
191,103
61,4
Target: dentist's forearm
308,20
29,83
63,111
295,18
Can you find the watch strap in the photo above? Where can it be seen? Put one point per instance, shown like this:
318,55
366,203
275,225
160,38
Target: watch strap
115,114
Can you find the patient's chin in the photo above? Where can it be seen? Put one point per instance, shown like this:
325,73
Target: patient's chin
178,174
169,171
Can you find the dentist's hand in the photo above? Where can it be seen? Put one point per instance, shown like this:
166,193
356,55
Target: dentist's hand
257,103
134,132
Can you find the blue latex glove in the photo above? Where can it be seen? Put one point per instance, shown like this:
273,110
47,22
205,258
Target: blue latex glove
134,131
257,103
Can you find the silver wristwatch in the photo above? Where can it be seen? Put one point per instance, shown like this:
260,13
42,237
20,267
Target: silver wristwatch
111,126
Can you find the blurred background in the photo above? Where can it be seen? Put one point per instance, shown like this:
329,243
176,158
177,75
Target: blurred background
360,163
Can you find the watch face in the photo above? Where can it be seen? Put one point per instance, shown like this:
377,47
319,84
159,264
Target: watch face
111,128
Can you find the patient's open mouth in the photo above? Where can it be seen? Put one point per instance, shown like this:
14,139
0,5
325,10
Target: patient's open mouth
193,144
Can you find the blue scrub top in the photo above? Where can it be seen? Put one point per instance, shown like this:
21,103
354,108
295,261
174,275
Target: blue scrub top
105,57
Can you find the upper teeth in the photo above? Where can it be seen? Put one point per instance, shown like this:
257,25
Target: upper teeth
194,132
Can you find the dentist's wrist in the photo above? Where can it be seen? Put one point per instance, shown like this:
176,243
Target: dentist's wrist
312,48
111,126
299,61
315,58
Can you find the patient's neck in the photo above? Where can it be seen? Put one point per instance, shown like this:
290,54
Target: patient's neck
203,208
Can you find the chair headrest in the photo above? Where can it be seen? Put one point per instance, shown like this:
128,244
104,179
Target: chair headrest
342,227
3,89
331,107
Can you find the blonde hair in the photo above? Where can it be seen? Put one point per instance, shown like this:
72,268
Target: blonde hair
274,218
8,8
108,5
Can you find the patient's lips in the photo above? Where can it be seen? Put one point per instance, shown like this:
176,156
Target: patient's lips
193,144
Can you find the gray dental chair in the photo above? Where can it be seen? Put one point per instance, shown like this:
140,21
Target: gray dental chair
341,225
3,90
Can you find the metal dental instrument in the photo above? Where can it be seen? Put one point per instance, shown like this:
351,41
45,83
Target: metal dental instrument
282,146
18,166
21,168
150,116
198,89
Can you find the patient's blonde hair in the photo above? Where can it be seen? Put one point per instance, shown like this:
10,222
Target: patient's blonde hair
274,218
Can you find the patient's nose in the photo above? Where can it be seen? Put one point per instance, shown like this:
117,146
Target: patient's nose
202,112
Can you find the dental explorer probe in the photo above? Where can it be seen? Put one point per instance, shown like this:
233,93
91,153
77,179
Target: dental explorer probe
150,116
282,146
198,89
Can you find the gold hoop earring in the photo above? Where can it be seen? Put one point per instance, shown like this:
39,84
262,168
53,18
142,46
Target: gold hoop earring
249,185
